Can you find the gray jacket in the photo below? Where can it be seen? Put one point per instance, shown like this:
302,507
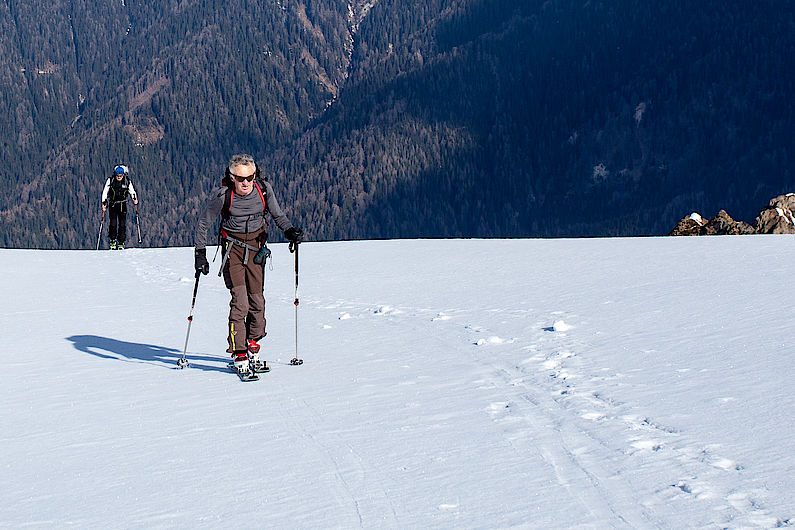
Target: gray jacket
245,214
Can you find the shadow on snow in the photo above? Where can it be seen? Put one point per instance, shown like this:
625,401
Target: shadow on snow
120,350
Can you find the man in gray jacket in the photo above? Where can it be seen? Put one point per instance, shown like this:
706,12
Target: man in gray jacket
242,201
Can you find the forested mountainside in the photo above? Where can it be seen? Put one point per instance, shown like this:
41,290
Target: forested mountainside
553,118
170,88
409,118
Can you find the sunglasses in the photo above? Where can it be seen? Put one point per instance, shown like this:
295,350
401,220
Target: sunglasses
241,179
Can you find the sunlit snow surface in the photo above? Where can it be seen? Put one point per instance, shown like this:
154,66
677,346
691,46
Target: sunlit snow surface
448,384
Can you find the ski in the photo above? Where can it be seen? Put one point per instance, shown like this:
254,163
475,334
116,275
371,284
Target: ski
251,376
248,377
263,369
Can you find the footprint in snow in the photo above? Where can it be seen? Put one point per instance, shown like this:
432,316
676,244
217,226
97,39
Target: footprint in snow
493,340
647,445
555,360
694,488
500,407
593,416
559,326
728,465
740,501
550,364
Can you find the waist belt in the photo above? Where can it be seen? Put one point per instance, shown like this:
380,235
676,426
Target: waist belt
233,241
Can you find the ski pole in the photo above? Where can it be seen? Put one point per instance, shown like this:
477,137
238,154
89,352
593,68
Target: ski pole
137,224
294,248
99,237
183,362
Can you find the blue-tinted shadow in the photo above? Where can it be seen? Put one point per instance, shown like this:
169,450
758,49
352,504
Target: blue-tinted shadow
120,350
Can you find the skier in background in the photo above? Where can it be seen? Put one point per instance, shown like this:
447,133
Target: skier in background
242,201
114,196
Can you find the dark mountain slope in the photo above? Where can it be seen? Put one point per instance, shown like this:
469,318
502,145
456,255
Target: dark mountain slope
516,118
169,88
497,118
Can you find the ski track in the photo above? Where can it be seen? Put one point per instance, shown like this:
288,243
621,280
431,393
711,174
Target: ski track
327,454
549,405
541,395
352,473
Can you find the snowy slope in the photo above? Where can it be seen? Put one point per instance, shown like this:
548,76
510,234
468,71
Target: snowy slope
538,383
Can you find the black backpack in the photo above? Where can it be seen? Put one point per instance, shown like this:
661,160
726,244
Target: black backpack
118,190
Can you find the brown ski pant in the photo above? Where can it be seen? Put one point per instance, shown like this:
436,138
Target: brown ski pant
246,283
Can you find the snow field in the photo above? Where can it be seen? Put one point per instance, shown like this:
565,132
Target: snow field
543,383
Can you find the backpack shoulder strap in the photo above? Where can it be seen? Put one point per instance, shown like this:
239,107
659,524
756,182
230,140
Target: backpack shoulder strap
261,196
264,202
228,196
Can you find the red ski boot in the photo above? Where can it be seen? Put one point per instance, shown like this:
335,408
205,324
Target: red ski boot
257,365
242,366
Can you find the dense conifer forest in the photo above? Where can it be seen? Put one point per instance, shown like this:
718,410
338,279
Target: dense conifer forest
410,118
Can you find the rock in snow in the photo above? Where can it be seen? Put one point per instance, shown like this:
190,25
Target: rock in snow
776,218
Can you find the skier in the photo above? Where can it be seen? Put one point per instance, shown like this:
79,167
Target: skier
114,196
243,200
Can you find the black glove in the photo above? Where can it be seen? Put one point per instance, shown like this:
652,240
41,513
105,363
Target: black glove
294,234
200,261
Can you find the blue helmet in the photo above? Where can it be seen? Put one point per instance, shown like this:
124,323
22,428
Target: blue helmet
120,170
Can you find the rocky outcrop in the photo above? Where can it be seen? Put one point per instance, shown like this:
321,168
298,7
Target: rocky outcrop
723,224
689,226
777,218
